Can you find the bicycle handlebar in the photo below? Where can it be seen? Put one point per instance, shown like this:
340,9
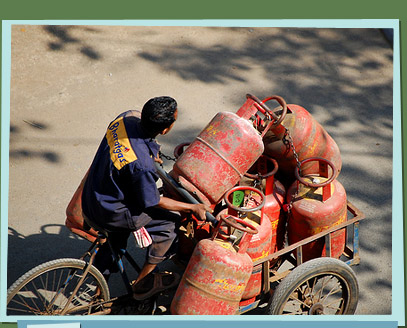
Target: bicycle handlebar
182,191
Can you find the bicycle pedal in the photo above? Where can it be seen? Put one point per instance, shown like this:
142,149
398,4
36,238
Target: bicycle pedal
160,310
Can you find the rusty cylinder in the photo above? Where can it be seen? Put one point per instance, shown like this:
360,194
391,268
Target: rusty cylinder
217,159
292,131
217,273
317,203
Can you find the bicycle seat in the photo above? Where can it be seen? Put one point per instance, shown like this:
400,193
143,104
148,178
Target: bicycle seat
87,224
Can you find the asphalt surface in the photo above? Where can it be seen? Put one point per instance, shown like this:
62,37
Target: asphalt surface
69,82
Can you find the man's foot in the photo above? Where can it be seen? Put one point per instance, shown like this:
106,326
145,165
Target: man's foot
154,283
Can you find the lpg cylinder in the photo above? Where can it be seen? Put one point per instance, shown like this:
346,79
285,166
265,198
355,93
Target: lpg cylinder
191,230
217,273
258,248
293,132
272,219
248,202
263,173
317,202
217,159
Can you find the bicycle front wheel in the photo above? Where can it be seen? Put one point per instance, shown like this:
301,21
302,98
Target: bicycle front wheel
48,288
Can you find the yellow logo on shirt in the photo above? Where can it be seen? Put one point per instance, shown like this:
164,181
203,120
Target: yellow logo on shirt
121,152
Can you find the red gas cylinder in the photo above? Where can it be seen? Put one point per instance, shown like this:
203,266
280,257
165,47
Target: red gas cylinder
292,128
317,202
191,230
262,173
248,202
270,222
217,273
217,159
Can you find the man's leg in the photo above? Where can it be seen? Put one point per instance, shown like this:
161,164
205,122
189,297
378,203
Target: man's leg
104,260
145,270
162,229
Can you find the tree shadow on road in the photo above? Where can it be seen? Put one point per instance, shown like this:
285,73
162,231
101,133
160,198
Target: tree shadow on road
55,241
26,152
51,242
63,37
313,67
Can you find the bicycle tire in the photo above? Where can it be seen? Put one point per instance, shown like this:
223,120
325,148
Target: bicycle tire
45,290
306,289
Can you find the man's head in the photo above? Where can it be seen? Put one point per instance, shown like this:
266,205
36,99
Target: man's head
159,114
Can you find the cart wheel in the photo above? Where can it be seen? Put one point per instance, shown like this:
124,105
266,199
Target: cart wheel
319,286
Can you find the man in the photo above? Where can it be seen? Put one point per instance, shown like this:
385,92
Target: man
120,194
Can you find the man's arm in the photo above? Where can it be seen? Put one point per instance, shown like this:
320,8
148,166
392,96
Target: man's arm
199,210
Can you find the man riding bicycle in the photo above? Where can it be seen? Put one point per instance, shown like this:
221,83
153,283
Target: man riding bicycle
121,196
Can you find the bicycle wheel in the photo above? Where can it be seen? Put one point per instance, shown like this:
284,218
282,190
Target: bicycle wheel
319,286
47,288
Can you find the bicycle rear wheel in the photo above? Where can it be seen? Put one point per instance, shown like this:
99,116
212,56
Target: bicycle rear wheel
47,289
320,286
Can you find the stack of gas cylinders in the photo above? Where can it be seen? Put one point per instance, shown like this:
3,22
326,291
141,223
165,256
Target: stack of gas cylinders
271,178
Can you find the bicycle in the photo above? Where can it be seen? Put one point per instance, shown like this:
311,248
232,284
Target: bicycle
70,286
75,287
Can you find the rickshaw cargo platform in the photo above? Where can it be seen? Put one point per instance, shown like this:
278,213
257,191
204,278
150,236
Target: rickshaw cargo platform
351,253
273,276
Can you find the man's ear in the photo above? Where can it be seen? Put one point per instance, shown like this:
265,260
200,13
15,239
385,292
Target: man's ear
165,131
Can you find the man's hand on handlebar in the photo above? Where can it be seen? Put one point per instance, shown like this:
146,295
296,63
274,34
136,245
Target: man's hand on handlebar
199,211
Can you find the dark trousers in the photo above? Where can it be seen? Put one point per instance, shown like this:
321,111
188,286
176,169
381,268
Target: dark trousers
162,228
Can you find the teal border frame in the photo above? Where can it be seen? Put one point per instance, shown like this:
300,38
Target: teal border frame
398,314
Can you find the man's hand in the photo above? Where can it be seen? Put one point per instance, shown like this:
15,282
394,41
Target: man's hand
199,210
158,159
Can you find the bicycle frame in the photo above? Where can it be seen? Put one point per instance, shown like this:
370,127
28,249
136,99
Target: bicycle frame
118,259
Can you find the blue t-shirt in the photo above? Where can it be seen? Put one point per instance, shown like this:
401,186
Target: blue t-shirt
121,182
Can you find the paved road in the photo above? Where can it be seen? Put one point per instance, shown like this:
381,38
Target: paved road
68,82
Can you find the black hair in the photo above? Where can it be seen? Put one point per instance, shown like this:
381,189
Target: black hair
158,114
